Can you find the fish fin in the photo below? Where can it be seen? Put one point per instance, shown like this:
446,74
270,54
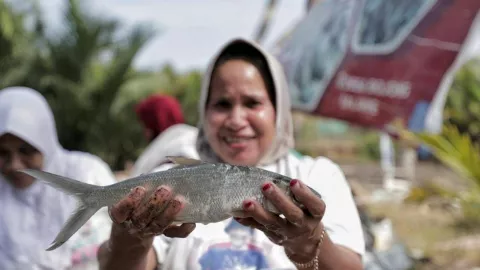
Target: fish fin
184,160
81,215
86,195
65,184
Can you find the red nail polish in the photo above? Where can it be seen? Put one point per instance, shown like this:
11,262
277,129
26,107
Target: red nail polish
248,205
267,186
293,182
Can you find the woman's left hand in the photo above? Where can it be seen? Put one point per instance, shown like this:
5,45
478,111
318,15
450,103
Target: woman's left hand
300,231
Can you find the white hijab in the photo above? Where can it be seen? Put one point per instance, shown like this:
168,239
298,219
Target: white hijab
284,141
31,218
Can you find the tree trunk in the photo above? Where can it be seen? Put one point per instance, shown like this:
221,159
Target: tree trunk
266,20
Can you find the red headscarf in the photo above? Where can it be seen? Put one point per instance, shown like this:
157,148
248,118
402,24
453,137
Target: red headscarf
159,112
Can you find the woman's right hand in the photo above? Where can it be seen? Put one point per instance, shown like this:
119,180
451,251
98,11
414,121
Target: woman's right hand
136,220
148,217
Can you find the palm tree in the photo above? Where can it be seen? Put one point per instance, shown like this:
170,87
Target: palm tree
82,70
83,88
460,153
16,52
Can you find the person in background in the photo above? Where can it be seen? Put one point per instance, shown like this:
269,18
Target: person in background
245,119
166,131
33,212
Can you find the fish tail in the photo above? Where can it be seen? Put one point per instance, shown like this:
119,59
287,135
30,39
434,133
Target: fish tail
85,193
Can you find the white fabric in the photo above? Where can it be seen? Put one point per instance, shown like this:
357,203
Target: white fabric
341,221
31,218
284,140
177,140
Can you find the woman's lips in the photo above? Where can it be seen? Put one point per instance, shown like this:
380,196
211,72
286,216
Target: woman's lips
237,142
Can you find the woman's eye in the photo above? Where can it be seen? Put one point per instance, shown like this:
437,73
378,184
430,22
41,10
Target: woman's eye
252,103
4,154
222,104
27,150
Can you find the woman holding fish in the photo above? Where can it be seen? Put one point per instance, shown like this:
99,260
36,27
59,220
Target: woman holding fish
245,119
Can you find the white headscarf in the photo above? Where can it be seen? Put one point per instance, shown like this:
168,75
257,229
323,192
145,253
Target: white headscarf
31,217
283,141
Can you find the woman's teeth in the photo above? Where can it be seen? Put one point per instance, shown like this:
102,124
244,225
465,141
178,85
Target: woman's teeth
236,139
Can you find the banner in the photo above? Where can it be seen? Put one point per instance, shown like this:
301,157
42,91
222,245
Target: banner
373,62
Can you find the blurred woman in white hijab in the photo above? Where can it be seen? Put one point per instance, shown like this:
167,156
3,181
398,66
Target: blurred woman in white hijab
32,212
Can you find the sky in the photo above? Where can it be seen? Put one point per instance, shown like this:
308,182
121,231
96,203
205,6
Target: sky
189,31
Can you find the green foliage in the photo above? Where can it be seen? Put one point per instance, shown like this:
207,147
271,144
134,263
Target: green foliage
85,72
185,88
16,56
369,146
81,89
461,154
462,107
421,193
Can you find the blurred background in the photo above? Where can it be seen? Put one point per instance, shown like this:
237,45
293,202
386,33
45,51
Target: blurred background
94,60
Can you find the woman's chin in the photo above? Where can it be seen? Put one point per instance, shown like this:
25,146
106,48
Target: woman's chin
21,182
242,159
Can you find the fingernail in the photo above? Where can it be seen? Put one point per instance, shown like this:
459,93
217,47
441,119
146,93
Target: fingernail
136,192
133,191
266,187
161,192
176,203
294,183
248,205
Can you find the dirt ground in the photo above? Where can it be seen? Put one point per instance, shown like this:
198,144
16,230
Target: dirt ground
369,174
430,230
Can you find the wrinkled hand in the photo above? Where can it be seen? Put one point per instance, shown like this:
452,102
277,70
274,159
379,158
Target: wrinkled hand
147,217
300,231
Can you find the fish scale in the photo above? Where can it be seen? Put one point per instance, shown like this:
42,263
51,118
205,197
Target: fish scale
213,191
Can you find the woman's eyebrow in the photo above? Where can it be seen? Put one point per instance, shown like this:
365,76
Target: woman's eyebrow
256,95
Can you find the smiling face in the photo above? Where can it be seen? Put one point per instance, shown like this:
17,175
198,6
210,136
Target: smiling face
240,115
16,154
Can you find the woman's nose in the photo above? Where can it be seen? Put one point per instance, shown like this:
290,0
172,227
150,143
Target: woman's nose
237,119
15,163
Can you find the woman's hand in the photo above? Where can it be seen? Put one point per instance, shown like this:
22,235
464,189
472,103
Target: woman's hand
148,217
300,231
136,220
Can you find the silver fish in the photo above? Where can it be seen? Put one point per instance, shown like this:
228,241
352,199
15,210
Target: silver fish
213,191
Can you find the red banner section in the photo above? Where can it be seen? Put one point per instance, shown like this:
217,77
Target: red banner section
371,62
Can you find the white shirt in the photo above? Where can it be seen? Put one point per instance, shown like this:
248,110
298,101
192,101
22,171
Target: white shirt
229,245
177,140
